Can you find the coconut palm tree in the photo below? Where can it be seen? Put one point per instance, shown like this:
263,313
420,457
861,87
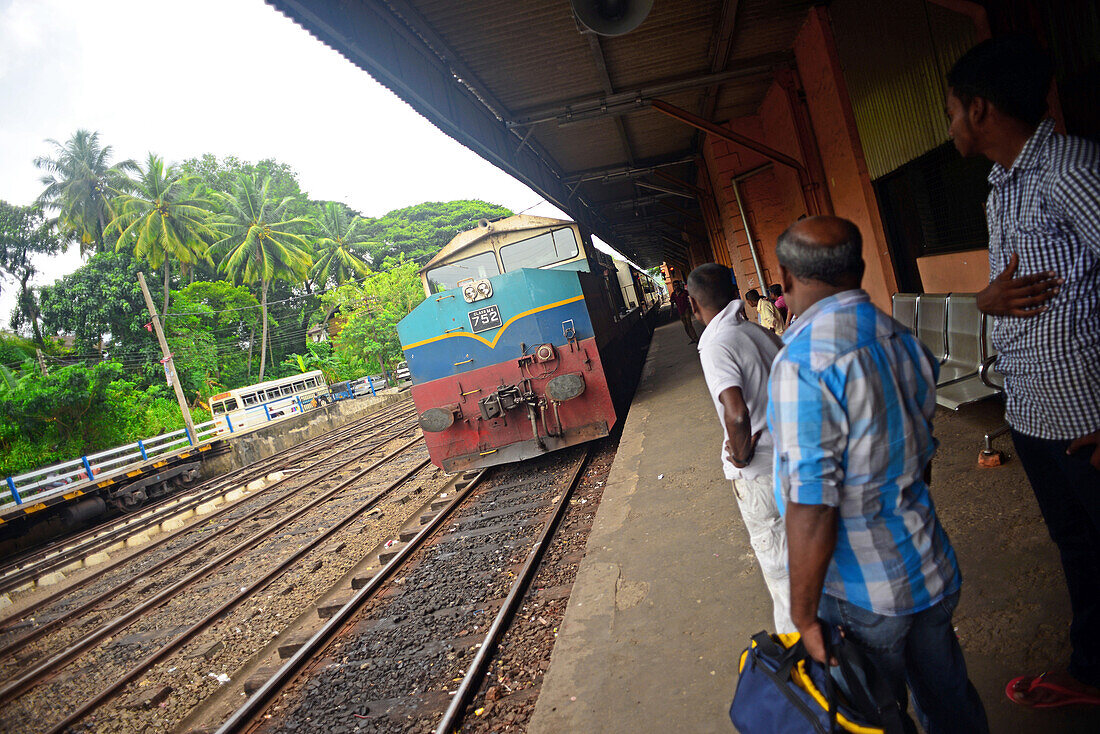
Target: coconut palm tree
333,246
166,218
80,183
259,243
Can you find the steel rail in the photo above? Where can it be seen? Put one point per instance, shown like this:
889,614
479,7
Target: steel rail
249,713
41,631
64,545
254,588
10,619
51,557
475,673
16,687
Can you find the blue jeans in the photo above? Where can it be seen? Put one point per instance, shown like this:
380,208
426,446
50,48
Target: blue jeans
919,650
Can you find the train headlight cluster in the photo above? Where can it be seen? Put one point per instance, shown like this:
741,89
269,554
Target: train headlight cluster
477,290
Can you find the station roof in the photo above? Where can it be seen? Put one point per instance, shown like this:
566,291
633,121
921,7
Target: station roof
564,110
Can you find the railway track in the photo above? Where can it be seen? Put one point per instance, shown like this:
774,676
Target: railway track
390,658
74,653
69,553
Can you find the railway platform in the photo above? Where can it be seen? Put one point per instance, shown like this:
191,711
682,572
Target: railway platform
669,591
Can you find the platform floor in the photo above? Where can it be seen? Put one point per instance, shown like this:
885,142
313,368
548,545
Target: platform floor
669,591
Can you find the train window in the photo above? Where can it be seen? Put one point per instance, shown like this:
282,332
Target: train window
273,393
217,408
541,250
311,382
445,277
229,405
288,389
299,386
249,399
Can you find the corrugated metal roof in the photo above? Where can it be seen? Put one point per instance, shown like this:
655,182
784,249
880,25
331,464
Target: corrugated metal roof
897,88
531,55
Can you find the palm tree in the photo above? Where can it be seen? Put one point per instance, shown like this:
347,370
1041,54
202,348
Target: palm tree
336,238
258,243
79,184
165,218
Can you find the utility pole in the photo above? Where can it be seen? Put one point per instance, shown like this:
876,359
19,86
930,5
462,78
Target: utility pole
169,365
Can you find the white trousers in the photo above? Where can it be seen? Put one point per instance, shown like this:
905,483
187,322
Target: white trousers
768,537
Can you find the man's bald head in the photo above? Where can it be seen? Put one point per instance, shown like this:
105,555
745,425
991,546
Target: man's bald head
825,249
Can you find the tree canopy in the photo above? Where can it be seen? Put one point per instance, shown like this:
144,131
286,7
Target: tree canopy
248,262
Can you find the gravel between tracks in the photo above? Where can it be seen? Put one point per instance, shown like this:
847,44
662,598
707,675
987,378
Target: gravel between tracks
247,628
393,669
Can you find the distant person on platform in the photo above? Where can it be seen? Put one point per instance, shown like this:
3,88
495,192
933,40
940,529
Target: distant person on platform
851,399
682,304
776,292
766,312
736,355
1043,213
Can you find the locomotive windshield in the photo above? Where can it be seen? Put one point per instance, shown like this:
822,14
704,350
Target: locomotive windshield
541,250
445,277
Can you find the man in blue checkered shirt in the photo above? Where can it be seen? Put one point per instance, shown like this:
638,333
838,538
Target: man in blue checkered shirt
1043,212
850,405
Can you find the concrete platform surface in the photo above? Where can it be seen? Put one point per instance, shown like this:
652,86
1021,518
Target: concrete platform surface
669,591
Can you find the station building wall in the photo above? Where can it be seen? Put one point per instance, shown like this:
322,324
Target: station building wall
773,198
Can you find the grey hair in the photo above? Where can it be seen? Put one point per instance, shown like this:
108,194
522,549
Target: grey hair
833,263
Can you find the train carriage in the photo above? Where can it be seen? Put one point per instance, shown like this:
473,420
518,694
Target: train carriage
529,341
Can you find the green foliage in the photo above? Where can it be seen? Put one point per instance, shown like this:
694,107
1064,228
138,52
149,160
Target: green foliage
337,239
208,332
24,234
222,175
418,232
80,182
166,218
100,303
40,404
261,242
372,309
14,350
78,410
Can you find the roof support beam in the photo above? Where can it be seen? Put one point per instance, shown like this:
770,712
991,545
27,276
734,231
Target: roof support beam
807,184
605,82
720,54
598,106
666,190
641,168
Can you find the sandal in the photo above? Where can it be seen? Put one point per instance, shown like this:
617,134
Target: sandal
1062,696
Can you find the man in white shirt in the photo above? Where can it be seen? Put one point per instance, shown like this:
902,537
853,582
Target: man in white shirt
736,355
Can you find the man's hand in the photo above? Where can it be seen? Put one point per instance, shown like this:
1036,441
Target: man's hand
813,639
1092,439
752,451
1022,296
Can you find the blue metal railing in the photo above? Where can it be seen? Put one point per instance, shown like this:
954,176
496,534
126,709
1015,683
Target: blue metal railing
64,477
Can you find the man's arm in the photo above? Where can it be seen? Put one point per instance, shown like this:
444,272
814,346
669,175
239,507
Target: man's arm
810,428
1022,296
811,539
735,414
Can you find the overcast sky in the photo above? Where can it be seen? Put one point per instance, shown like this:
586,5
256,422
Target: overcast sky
183,78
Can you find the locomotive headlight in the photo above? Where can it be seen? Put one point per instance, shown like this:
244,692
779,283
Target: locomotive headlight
565,387
469,293
484,288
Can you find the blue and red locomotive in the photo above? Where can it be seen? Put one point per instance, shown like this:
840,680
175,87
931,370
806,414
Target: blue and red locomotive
530,340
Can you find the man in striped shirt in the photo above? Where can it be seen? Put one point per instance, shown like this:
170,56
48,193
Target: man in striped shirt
850,406
1043,212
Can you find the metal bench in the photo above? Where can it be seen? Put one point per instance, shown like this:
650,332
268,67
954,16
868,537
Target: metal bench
932,323
967,375
965,339
905,309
